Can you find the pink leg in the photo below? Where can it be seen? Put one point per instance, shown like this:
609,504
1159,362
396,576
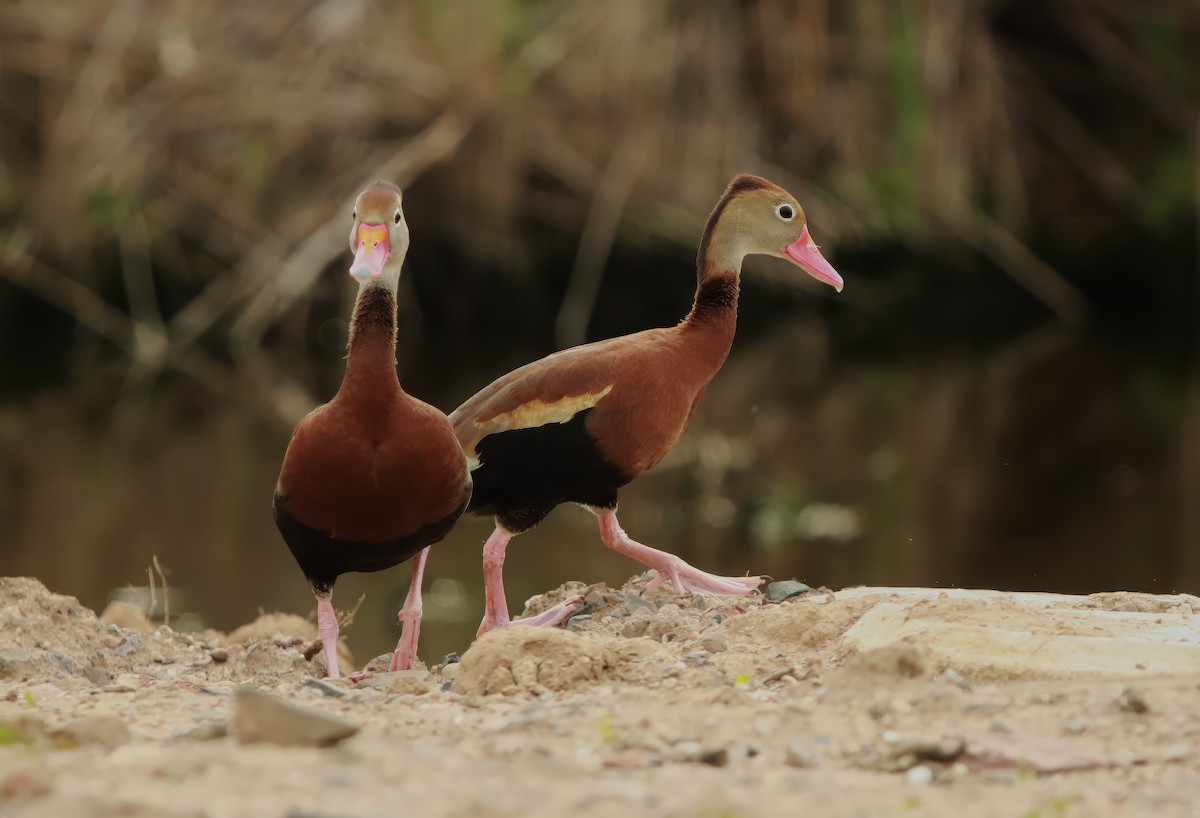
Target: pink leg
495,613
684,577
327,627
406,649
495,605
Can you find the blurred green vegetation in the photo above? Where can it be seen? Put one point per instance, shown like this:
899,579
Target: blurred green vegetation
1005,394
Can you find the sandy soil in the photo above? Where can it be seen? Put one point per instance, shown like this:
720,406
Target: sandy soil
654,706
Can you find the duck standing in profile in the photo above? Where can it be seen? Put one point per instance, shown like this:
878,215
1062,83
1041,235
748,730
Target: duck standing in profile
578,425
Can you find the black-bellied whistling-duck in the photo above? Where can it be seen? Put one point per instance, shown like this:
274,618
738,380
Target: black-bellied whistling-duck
581,423
375,475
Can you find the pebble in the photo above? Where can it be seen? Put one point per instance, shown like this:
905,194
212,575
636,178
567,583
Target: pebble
919,775
697,659
326,687
955,678
15,663
63,661
1132,700
450,659
125,650
219,655
574,622
797,755
262,717
714,643
634,603
786,589
694,752
97,676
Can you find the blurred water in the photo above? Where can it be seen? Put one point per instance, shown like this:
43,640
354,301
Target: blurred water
1045,465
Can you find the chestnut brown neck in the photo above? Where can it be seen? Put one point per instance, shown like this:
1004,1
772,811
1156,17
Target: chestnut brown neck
718,273
371,363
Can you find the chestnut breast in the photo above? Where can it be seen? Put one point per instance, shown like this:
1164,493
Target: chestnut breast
373,475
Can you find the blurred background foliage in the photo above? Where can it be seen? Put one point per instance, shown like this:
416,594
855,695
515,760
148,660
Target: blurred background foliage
1007,394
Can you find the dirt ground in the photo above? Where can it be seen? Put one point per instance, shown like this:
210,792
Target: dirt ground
869,702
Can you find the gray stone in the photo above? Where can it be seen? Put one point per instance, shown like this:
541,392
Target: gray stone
261,717
634,603
97,676
577,620
15,663
786,589
64,662
328,688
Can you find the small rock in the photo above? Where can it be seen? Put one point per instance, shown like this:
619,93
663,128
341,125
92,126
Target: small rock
797,755
1074,728
65,662
451,670
919,775
786,589
261,717
955,678
15,663
714,643
164,660
97,676
326,687
635,628
634,603
125,650
205,732
694,752
450,659
219,655
574,622
1132,700
697,659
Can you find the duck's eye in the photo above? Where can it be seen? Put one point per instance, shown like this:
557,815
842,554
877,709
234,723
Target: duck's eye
398,217
785,212
354,215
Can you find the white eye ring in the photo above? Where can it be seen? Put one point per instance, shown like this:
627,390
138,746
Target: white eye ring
785,211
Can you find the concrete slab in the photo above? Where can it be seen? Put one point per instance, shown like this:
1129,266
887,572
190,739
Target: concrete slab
1035,635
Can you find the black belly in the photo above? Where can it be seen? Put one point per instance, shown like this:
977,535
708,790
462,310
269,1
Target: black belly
323,557
524,473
